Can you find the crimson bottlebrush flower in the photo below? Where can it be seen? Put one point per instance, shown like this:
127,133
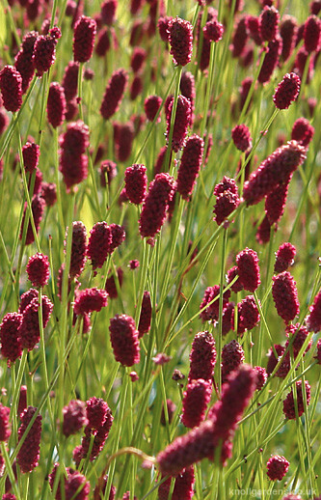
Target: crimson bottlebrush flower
124,141
242,137
118,236
297,335
49,193
73,162
22,403
145,315
5,430
315,7
151,106
136,87
300,63
239,37
108,11
202,357
302,132
287,91
103,42
163,27
70,80
182,120
227,318
74,417
248,269
253,27
111,287
277,466
108,169
11,88
195,400
312,34
284,257
248,314
180,40
285,296
100,437
288,30
23,60
135,183
187,88
231,274
26,298
114,93
211,313
226,184
9,337
84,39
275,202
37,208
75,485
124,340
271,60
78,249
96,412
30,153
171,408
202,442
29,332
213,31
232,358
183,486
56,105
134,264
89,300
44,53
225,204
189,166
29,453
261,377
38,269
274,170
99,244
284,367
269,21
289,403
313,320
153,214
137,59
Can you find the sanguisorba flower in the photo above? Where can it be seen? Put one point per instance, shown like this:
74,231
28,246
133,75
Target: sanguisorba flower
183,487
11,348
78,249
37,208
182,120
90,300
135,183
277,466
189,166
285,296
151,106
44,53
274,170
284,257
248,269
124,340
84,39
287,91
74,417
288,31
195,401
213,30
145,315
29,452
232,358
5,430
56,105
29,332
153,215
180,40
30,154
96,412
242,137
114,93
275,202
312,34
73,162
289,403
202,357
99,244
302,131
23,60
11,88
268,23
38,270
313,321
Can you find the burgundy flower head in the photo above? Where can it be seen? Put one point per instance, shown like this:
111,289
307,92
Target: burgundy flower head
231,274
289,404
202,357
277,467
135,183
288,30
187,87
9,337
29,452
74,417
151,106
84,39
271,60
275,202
182,120
211,313
241,137
213,31
287,91
11,88
118,236
232,358
114,93
70,80
29,332
261,377
99,244
89,300
285,296
38,269
30,153
312,34
302,132
108,11
248,314
183,486
181,40
248,269
269,20
23,60
96,412
5,430
44,54
284,257
195,402
73,162
145,315
137,59
313,321
56,105
240,37
153,214
190,165
274,170
124,340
